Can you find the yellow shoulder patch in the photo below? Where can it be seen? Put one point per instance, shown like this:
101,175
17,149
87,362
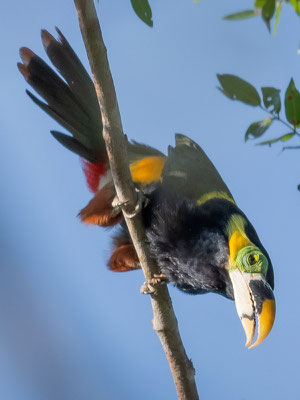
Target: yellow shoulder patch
147,170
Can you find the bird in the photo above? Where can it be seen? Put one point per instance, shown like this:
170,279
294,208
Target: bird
201,240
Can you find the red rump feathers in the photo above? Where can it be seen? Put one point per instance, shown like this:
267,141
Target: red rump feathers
93,173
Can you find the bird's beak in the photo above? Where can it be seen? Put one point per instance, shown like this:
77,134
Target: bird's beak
255,302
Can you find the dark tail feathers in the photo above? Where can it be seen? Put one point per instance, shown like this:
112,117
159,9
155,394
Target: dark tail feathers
72,102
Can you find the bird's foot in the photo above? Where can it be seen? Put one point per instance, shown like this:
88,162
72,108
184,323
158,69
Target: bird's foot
118,205
148,287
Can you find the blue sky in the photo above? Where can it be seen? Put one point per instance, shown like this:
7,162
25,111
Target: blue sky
71,329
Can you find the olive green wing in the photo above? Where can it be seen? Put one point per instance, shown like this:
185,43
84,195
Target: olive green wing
189,172
137,151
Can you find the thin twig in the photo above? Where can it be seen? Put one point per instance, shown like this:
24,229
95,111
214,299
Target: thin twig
277,118
164,321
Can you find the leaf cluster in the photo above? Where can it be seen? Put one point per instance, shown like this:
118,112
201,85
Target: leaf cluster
267,9
236,88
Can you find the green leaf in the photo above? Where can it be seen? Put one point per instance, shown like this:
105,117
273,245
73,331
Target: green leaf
287,136
225,94
277,16
258,128
271,97
296,5
292,104
259,3
143,11
283,138
241,15
268,11
238,89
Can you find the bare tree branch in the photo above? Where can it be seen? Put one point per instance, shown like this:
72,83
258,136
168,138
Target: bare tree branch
164,321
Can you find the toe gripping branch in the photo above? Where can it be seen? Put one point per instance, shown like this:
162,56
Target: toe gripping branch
118,206
149,287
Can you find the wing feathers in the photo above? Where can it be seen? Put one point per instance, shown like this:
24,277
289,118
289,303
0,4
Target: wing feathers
189,172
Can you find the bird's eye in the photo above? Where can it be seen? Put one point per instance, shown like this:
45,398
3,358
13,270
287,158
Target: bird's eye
253,259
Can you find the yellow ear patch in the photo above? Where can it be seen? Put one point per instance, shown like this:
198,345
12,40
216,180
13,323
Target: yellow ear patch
147,169
236,242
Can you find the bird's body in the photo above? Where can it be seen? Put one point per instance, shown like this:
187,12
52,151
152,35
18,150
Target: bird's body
199,237
192,251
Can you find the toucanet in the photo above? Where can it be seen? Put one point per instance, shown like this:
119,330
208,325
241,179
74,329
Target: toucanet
199,237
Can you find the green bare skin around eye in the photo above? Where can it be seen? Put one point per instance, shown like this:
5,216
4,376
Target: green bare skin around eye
251,259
